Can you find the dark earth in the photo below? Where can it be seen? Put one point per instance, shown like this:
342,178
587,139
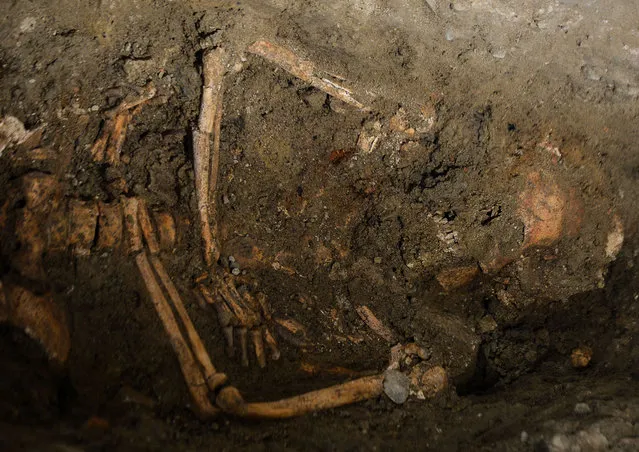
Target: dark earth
493,90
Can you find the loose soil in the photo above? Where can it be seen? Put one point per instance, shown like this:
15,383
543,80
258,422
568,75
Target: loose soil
494,90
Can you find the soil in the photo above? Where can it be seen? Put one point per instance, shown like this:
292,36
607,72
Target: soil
495,91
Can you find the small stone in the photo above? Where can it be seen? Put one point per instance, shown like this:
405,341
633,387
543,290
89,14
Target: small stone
487,324
523,436
96,423
582,408
560,442
591,439
615,239
581,357
396,386
316,100
377,260
236,271
225,199
458,277
231,259
398,123
500,54
27,25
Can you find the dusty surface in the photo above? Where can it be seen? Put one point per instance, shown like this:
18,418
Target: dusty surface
506,148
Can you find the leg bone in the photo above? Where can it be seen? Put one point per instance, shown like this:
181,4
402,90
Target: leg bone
194,380
302,69
213,378
230,400
205,164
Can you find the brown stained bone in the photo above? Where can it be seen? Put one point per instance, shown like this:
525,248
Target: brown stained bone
230,400
542,209
40,317
166,230
100,144
455,278
213,378
258,345
108,146
148,233
271,343
206,163
224,315
30,236
109,225
433,381
302,69
245,313
83,221
316,369
131,225
136,101
58,230
41,192
195,381
292,326
117,137
374,323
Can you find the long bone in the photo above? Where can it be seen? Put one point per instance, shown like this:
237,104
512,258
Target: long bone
196,365
235,309
230,400
304,70
206,163
245,312
197,368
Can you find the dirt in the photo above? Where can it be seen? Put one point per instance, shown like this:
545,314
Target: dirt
478,106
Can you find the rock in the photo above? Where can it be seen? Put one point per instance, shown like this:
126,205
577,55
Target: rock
591,439
369,137
559,443
315,100
542,209
12,132
399,122
581,357
582,408
487,324
615,238
28,24
454,278
396,386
